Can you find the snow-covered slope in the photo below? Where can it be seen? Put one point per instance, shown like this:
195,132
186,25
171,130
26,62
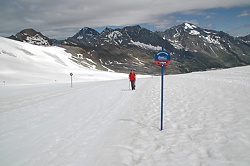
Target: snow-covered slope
206,122
26,63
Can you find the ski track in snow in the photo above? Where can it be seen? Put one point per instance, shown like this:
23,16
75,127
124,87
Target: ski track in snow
206,122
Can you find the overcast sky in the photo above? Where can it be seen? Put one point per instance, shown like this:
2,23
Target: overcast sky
63,18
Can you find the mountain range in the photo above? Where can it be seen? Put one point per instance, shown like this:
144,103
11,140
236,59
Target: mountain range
133,47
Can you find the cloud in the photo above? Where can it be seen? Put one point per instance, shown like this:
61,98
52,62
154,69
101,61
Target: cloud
244,13
209,26
209,16
188,21
195,12
68,16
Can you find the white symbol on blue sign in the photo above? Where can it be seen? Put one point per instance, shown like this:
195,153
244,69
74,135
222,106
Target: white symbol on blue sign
162,55
162,58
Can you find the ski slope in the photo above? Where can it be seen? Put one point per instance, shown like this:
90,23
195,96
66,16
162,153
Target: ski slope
24,63
103,123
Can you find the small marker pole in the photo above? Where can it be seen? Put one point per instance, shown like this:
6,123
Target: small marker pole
71,74
71,81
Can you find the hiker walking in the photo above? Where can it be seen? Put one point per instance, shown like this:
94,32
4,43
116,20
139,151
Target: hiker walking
132,78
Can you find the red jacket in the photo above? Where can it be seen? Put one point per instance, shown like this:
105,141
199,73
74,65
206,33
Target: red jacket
132,76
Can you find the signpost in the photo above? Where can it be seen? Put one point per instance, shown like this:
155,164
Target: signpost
71,74
162,59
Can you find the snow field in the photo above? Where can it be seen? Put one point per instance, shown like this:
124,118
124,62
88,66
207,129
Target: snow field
206,122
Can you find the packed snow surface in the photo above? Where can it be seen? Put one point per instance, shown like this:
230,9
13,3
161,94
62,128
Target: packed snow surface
104,123
206,122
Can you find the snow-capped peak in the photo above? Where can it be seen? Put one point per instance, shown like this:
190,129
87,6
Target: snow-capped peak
33,37
189,26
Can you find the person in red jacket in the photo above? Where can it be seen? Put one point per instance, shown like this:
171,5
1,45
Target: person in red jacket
132,78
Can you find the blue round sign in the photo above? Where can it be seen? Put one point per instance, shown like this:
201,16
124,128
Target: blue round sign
162,58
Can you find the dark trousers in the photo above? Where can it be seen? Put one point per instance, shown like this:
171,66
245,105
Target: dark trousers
133,84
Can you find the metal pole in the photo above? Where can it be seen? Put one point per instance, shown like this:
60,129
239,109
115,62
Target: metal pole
71,81
71,74
162,89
